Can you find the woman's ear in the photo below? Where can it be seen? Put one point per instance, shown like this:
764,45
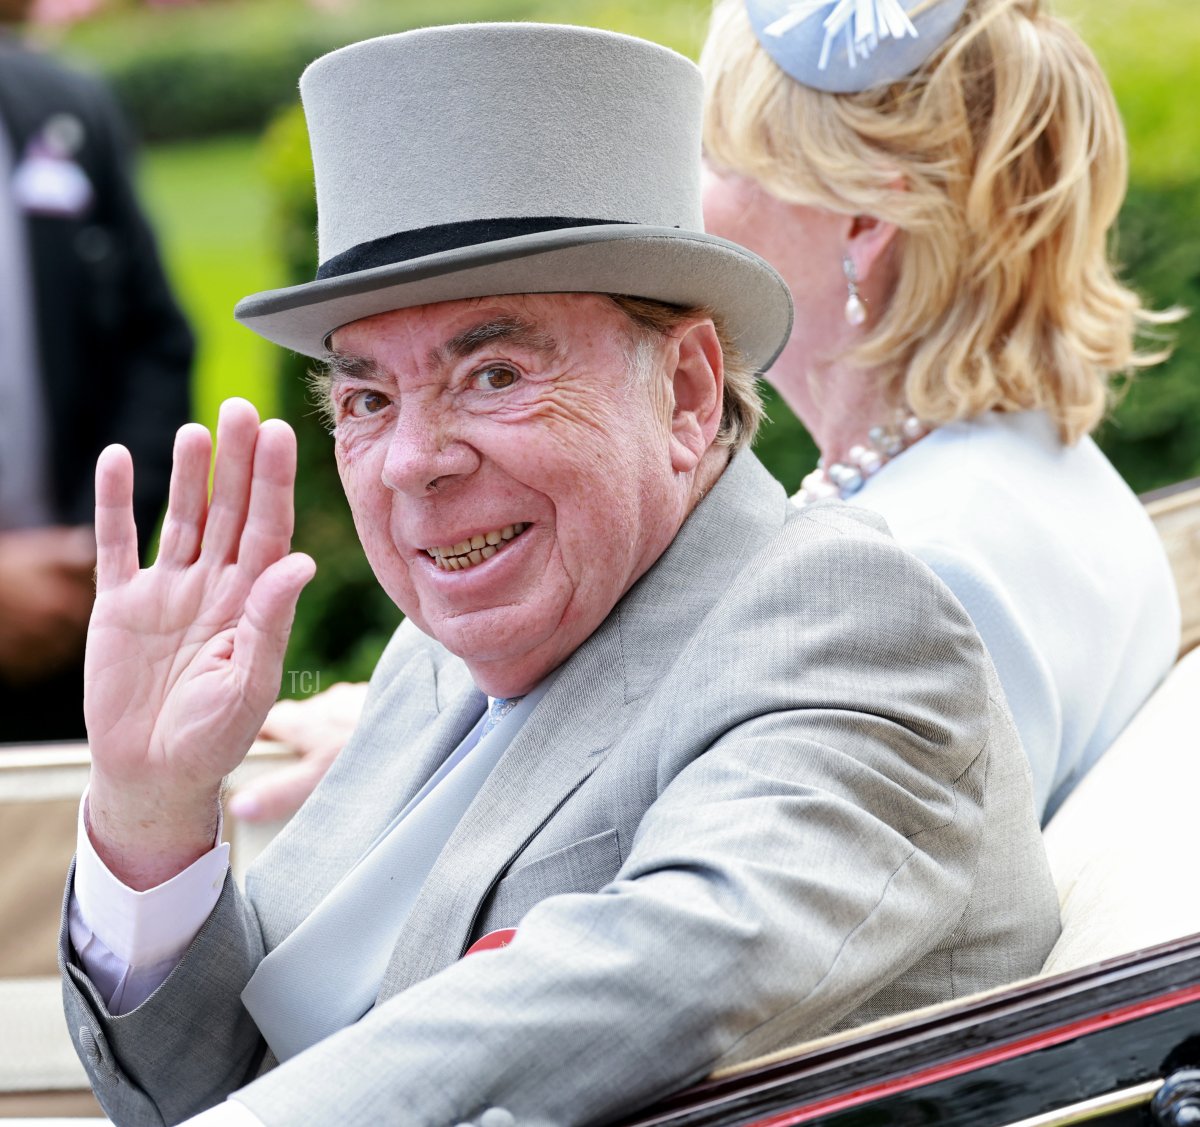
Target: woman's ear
698,391
867,242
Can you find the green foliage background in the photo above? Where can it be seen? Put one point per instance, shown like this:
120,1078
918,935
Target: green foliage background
237,217
221,66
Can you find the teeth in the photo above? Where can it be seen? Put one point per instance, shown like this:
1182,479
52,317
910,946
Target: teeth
467,553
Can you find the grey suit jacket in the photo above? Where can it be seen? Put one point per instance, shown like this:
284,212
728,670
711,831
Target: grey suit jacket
777,791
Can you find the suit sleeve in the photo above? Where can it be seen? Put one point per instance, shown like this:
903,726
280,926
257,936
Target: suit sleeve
1022,667
190,1043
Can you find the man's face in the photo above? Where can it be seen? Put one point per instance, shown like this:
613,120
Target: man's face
510,478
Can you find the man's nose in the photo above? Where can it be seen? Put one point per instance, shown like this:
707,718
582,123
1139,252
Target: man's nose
425,454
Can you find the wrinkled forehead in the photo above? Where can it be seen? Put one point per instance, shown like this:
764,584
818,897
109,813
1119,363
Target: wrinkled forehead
449,330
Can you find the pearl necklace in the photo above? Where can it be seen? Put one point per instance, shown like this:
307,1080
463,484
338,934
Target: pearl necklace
844,479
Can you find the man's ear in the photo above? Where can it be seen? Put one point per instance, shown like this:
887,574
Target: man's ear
867,243
698,394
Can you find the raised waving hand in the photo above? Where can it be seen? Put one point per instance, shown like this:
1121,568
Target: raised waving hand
184,658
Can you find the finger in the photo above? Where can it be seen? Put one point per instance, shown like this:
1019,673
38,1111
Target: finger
280,793
72,554
79,549
262,632
267,535
318,721
187,502
116,533
281,721
237,429
292,722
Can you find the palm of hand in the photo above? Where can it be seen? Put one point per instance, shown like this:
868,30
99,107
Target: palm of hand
169,686
184,657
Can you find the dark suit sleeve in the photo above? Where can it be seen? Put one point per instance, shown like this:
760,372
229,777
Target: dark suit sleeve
151,345
115,351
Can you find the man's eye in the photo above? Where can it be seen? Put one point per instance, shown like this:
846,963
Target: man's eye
364,403
494,378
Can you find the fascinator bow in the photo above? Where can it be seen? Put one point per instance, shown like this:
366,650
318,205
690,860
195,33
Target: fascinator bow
884,39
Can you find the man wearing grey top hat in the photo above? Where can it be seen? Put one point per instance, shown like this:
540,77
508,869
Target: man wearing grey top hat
659,774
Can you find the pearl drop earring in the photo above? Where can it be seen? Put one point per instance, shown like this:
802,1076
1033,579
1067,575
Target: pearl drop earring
856,305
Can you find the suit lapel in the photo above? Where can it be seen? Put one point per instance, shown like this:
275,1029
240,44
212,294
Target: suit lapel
397,747
423,708
561,743
590,703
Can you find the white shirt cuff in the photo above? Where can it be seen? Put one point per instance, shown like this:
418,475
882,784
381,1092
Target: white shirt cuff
141,928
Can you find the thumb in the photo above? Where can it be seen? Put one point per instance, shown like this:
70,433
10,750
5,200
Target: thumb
278,794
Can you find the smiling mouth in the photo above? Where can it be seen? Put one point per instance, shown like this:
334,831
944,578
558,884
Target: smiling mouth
469,553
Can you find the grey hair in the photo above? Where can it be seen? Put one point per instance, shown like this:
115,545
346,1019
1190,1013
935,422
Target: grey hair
650,321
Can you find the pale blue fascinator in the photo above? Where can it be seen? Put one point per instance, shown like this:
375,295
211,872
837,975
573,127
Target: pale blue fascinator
845,46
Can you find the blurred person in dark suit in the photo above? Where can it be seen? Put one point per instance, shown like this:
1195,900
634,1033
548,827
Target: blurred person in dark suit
93,350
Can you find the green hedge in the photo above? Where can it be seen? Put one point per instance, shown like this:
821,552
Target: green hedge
193,70
1153,437
199,70
179,92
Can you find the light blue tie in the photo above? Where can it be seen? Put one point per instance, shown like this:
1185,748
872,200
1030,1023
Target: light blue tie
326,974
498,709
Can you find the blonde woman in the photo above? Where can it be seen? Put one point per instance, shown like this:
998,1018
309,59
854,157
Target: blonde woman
936,181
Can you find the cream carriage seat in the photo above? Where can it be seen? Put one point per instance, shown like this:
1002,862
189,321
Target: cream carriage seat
40,788
1120,847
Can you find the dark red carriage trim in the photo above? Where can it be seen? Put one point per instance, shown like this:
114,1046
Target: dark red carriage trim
975,1061
999,1058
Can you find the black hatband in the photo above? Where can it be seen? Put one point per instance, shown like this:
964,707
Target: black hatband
391,249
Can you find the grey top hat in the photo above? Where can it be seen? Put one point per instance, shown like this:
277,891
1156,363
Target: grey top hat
480,159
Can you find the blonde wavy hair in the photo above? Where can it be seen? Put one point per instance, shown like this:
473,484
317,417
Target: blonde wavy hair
1002,163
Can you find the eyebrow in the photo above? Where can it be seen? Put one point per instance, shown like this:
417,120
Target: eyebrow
508,329
341,366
